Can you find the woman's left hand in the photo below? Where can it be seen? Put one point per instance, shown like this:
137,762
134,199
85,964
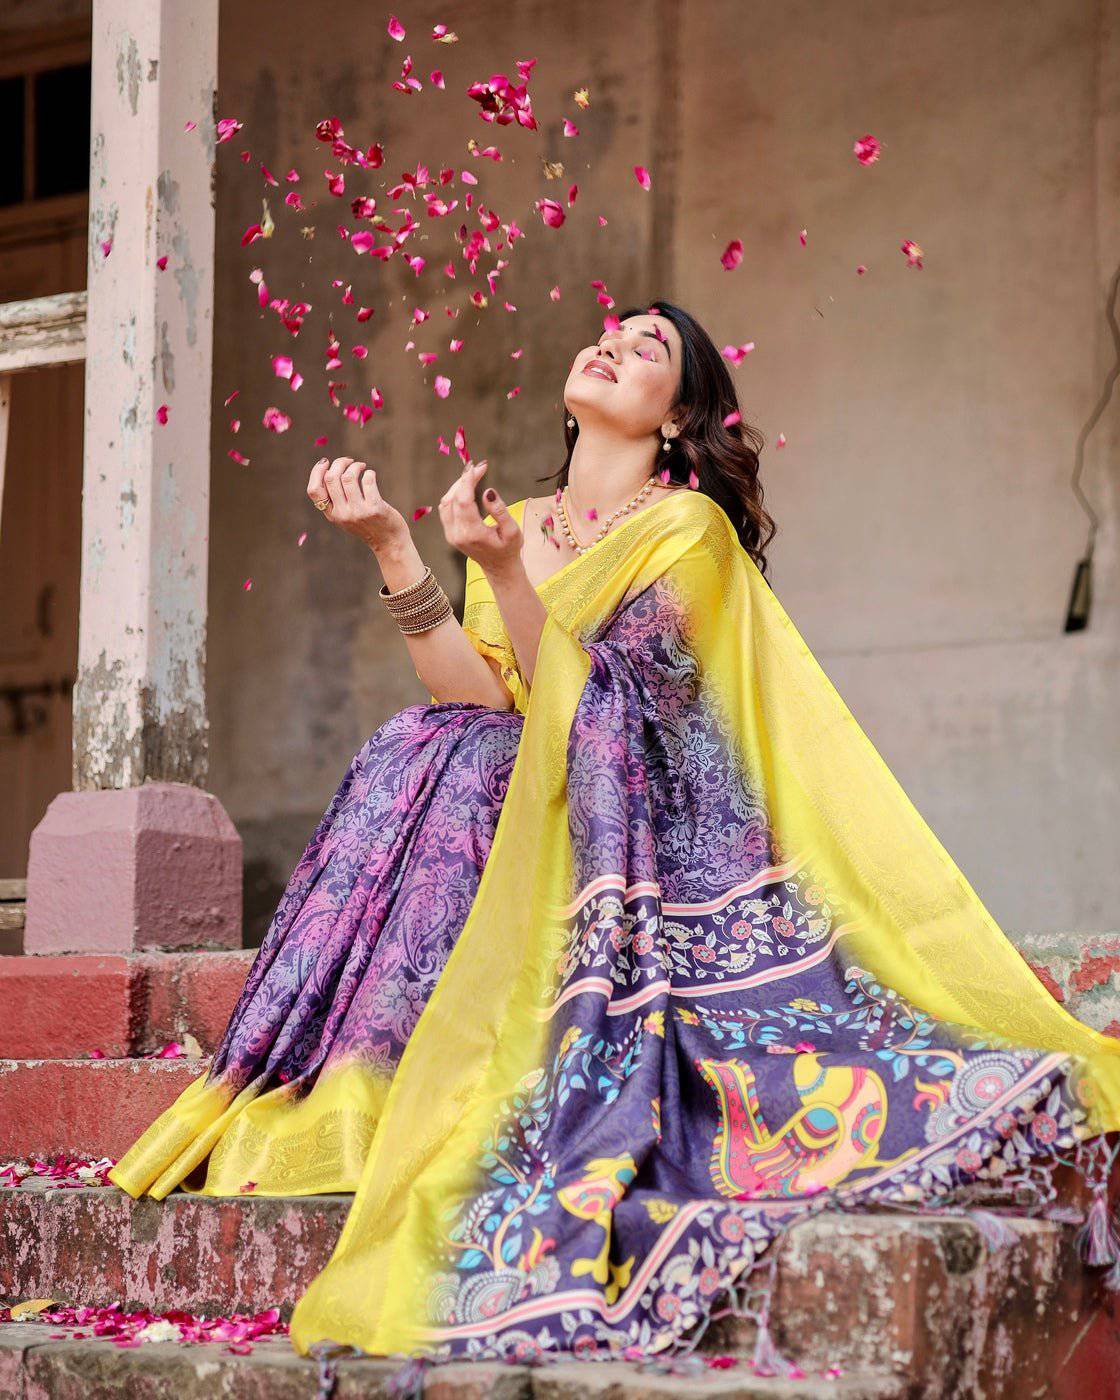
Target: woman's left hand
495,548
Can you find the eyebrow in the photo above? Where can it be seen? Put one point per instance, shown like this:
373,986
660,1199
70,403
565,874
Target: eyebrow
654,335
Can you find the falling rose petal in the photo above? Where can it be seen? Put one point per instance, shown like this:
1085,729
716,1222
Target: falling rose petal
610,323
249,1186
804,237
468,177
299,542
781,440
228,127
247,585
268,175
732,255
297,380
455,346
251,234
732,418
235,425
867,150
913,253
321,441
362,241
106,247
861,270
161,263
189,126
162,412
420,512
282,366
513,393
443,385
554,293
427,357
435,77
335,183
293,201
364,313
275,421
395,29
171,1051
359,351
642,176
570,128
737,353
551,212
573,193
226,403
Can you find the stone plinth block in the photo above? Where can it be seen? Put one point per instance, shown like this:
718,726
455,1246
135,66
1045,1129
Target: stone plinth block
120,870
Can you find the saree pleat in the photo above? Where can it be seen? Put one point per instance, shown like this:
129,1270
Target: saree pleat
687,962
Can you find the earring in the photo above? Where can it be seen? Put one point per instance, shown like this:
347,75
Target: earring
571,422
666,445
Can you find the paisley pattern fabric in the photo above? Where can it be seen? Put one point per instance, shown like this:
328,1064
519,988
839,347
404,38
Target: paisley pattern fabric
624,994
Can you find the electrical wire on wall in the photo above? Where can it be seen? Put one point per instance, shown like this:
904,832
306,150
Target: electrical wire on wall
1081,595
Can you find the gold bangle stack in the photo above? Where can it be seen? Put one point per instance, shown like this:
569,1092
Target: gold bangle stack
420,606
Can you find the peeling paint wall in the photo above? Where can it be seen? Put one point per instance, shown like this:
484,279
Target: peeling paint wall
927,532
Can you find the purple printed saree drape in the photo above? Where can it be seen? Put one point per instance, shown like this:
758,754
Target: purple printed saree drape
579,1085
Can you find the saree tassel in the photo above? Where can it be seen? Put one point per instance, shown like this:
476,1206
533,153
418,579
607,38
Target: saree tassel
1097,1241
997,1232
407,1383
767,1360
326,1354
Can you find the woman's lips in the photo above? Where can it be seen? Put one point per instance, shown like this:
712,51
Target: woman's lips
597,368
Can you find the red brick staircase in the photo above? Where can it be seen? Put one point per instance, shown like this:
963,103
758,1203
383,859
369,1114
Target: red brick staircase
897,1305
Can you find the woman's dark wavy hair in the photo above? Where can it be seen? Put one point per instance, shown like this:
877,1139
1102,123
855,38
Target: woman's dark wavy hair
725,460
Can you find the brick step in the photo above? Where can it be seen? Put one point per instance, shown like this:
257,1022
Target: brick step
878,1291
93,1107
66,1005
31,1365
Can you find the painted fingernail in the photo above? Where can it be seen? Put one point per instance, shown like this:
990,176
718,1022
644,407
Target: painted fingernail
489,495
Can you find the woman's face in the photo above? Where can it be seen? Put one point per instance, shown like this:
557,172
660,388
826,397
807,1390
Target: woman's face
642,360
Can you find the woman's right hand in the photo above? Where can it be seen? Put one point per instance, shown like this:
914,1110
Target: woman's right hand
356,505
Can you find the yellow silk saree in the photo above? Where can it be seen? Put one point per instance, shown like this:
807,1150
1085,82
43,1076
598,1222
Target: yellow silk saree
586,1000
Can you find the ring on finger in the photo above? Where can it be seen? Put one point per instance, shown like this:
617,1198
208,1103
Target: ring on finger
323,504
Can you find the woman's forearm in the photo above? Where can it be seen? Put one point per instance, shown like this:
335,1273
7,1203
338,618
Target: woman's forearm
522,612
442,656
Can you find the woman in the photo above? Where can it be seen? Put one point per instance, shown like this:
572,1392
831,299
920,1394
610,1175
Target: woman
627,950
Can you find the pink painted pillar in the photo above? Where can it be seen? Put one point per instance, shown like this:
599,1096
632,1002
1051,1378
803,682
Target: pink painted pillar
139,855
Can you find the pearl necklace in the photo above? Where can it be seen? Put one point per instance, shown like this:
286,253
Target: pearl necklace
622,510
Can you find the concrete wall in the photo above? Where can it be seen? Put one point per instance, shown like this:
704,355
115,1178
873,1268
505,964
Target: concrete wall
928,533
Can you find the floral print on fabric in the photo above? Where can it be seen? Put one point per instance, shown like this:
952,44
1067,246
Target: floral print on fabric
373,907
